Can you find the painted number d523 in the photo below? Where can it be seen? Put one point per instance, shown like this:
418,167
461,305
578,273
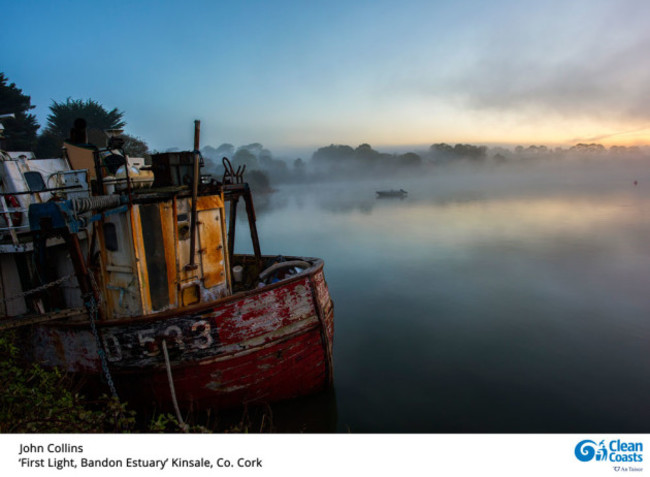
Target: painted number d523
198,336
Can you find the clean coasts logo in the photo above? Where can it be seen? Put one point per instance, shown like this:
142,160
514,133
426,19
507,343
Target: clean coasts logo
615,450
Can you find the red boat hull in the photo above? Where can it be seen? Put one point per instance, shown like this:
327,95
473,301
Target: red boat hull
265,345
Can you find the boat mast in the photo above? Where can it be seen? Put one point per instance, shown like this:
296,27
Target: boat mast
195,193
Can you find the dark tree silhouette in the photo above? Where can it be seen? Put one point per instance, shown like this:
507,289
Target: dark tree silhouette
243,157
333,153
63,114
134,146
409,159
20,132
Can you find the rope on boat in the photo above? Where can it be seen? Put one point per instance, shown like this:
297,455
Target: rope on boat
172,389
84,204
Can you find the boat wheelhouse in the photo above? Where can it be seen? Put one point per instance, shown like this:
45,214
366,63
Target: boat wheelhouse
126,272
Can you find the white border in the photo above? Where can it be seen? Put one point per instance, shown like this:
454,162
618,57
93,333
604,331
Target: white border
328,455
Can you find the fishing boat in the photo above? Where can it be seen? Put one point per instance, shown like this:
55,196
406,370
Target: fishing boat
125,273
391,193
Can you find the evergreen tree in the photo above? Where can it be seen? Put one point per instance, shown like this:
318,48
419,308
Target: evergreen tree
63,115
20,132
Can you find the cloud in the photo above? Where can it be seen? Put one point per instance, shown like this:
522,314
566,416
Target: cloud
588,62
589,82
617,134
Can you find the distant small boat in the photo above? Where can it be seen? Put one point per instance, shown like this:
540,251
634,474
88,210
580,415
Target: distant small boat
392,193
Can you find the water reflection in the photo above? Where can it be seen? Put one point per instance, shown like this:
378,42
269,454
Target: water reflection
490,305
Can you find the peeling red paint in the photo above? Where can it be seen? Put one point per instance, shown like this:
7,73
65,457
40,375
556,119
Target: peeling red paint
270,344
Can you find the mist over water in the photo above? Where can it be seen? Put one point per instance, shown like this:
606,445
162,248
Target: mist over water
506,299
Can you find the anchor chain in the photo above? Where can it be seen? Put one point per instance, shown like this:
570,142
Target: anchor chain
37,289
91,306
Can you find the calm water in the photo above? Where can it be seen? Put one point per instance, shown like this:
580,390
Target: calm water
514,300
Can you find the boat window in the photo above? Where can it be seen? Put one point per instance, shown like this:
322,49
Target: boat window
35,181
154,254
110,236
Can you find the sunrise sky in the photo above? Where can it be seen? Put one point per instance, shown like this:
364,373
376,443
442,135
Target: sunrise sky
298,75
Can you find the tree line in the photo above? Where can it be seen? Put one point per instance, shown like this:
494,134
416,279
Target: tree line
339,155
21,132
262,168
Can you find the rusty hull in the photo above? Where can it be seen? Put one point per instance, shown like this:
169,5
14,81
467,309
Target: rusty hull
262,345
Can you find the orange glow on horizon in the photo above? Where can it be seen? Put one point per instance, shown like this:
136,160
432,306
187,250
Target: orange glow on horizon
638,138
